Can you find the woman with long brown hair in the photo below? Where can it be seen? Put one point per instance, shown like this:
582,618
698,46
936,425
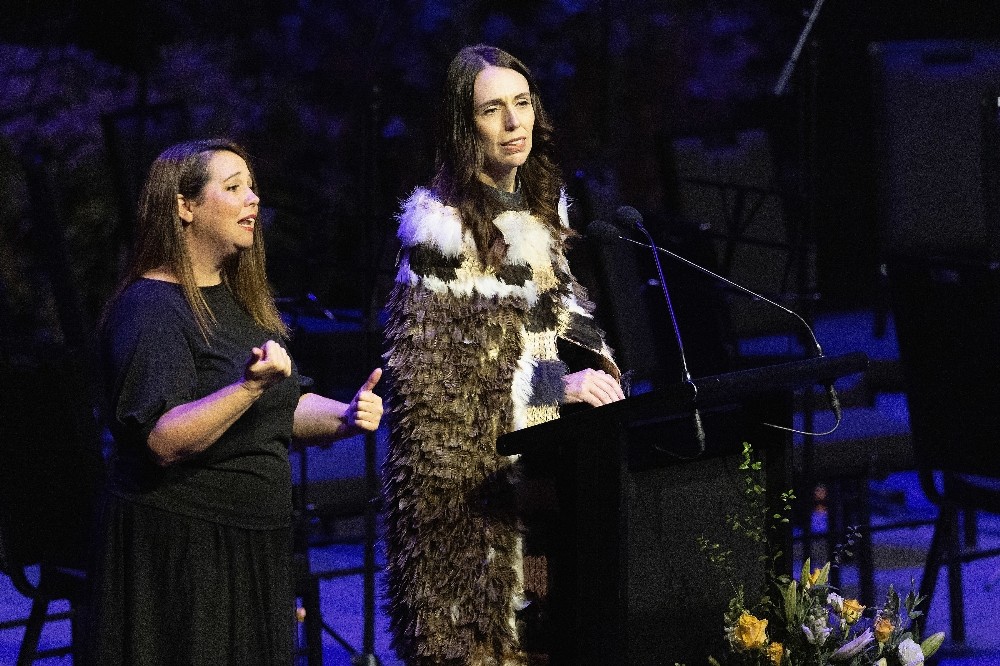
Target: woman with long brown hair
483,297
194,547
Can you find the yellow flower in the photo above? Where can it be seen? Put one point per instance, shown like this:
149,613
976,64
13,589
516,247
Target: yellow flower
750,633
814,576
775,651
852,611
883,628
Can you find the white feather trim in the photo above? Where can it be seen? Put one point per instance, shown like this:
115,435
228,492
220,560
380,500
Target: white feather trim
465,285
521,387
572,305
529,242
564,209
426,220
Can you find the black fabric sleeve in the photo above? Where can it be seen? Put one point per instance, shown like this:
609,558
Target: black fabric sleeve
153,366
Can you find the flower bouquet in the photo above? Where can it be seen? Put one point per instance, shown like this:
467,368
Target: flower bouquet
809,624
805,622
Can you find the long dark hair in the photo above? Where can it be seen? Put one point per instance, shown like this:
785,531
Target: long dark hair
159,242
460,156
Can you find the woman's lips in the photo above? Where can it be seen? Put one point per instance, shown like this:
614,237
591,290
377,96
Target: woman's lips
515,146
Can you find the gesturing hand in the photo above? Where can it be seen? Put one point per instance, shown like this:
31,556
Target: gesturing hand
268,365
594,387
365,410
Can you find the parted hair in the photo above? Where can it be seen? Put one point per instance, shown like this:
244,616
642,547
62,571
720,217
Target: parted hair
460,157
159,241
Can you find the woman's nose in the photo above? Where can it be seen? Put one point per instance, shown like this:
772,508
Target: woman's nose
513,120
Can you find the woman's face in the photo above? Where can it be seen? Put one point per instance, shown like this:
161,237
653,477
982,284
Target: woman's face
220,222
504,121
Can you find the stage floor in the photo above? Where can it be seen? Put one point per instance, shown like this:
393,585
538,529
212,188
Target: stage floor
899,553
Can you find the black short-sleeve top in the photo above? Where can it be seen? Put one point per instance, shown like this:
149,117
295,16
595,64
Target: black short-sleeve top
156,358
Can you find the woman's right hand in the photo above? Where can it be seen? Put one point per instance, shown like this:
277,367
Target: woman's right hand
268,365
192,427
594,387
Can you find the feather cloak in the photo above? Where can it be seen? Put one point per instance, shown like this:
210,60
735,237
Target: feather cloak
471,354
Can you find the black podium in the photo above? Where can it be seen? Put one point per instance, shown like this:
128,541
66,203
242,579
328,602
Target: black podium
635,492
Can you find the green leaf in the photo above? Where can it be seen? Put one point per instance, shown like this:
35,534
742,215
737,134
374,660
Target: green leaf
791,600
931,644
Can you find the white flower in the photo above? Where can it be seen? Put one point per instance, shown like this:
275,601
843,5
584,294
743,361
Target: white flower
850,650
910,653
836,602
818,632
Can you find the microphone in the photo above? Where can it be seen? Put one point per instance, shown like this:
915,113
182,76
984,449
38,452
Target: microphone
629,218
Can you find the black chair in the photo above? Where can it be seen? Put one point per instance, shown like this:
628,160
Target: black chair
50,476
947,313
54,583
333,511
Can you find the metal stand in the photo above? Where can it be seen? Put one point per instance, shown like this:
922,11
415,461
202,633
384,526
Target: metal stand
307,581
372,351
807,185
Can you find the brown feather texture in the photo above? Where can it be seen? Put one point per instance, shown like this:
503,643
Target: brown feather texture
464,370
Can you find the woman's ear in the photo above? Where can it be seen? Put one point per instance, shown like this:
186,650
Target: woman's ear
184,208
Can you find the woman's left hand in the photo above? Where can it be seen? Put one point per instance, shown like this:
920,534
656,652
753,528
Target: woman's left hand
365,410
594,387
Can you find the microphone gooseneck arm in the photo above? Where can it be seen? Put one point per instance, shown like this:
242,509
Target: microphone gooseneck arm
630,218
699,427
673,255
685,373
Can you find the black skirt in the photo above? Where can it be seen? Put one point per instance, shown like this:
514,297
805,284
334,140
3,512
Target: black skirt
172,589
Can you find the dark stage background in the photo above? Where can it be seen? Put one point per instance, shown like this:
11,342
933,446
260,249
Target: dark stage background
335,101
668,106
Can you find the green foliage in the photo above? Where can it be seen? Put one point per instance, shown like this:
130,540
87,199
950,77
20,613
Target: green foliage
804,621
753,518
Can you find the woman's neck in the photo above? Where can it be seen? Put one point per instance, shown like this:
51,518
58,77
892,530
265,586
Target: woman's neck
506,181
201,278
210,278
162,273
206,266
